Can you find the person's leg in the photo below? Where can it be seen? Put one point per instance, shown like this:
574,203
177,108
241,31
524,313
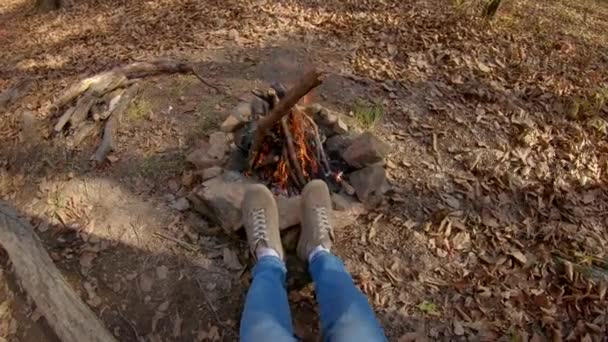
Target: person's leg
345,313
266,315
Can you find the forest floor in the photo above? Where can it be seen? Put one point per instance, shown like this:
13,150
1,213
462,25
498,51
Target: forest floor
495,226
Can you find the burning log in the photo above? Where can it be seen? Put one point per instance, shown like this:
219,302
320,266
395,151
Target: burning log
308,82
293,158
321,156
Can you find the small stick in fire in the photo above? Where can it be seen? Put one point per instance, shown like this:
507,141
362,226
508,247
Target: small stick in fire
291,171
293,157
321,156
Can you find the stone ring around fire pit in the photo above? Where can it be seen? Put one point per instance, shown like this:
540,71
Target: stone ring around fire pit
305,142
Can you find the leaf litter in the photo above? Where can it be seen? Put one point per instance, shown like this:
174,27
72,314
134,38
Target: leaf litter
522,170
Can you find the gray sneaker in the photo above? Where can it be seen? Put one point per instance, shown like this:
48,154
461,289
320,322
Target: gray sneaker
316,226
261,219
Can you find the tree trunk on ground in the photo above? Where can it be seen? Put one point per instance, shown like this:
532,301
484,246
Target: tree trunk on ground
48,5
70,318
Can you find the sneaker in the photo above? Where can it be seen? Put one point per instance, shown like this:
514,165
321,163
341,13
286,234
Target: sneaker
316,226
261,220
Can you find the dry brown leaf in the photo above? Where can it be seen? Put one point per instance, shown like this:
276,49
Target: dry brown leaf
518,255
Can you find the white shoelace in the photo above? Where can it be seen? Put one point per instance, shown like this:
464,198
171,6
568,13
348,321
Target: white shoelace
259,225
323,221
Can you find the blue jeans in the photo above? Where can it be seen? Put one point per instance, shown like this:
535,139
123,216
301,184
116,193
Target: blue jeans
345,313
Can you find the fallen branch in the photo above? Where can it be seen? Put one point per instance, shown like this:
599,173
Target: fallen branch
64,311
308,82
107,142
183,244
597,274
100,84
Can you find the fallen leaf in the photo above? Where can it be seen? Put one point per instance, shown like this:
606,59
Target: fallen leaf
231,260
458,328
518,255
162,272
177,326
483,67
145,282
428,308
163,306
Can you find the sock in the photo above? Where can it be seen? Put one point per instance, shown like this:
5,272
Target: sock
316,251
265,251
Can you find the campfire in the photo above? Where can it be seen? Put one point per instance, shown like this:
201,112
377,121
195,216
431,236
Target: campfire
286,149
282,140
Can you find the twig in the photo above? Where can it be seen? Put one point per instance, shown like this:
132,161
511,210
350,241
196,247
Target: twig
293,157
209,84
320,150
181,243
212,308
292,174
137,335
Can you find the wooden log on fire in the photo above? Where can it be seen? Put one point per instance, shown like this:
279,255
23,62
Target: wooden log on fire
293,157
321,156
308,82
68,316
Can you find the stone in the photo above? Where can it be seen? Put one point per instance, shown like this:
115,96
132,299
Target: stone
219,199
181,204
364,150
242,111
212,153
231,124
289,211
369,184
337,144
201,159
346,187
346,210
218,145
211,172
340,127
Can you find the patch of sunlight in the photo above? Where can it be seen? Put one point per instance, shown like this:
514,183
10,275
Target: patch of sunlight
42,61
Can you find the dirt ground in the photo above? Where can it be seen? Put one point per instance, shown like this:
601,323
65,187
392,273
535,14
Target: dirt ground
494,226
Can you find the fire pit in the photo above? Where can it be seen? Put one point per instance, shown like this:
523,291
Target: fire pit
280,139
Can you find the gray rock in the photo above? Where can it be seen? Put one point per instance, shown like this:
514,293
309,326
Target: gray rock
231,124
340,127
211,172
218,142
181,204
369,184
364,150
219,199
212,153
201,158
338,144
289,211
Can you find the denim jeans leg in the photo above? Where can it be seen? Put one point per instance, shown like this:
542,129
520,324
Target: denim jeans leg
345,312
266,315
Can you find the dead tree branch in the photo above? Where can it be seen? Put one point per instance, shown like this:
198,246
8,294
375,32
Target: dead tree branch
64,311
107,142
